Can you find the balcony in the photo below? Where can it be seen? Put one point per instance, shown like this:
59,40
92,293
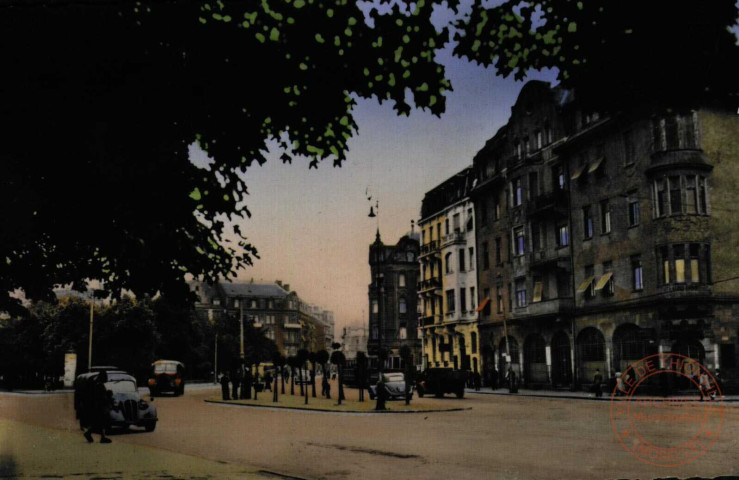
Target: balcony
452,238
550,259
430,248
549,203
547,307
429,285
430,320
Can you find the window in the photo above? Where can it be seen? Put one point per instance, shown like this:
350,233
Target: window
558,175
446,227
496,210
483,211
538,289
634,209
374,306
536,244
236,303
727,355
486,294
539,143
455,222
499,299
587,286
517,192
587,222
665,259
473,341
533,185
216,301
606,282
519,241
461,259
498,258
485,256
691,199
702,196
629,148
675,196
695,276
661,188
401,280
462,300
637,273
470,222
563,236
402,333
472,258
521,292
450,301
672,140
375,333
473,299
679,252
527,145
402,306
517,147
448,262
605,217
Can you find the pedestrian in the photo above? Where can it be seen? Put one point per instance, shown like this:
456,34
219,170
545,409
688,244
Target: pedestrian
100,402
235,382
494,379
326,387
248,380
705,386
597,381
268,381
512,382
224,386
476,381
620,388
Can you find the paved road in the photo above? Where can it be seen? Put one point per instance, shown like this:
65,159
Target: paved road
500,437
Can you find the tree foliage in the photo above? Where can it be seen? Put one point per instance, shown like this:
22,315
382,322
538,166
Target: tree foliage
614,55
102,102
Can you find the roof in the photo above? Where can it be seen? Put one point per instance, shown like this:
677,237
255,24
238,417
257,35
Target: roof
252,290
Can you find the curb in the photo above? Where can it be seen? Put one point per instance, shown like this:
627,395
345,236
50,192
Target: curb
575,397
371,412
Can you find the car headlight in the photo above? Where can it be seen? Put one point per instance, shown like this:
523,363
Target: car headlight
177,381
152,381
143,405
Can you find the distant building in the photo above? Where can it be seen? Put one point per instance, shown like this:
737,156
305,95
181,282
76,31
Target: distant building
287,320
353,340
393,299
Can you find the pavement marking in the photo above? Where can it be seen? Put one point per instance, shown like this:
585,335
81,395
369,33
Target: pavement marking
365,450
268,473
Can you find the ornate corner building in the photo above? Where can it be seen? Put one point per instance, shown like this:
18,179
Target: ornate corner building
599,239
392,299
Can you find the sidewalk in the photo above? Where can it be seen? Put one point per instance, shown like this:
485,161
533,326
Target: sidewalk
578,395
32,452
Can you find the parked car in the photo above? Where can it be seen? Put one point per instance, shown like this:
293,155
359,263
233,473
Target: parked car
438,381
394,386
167,376
128,408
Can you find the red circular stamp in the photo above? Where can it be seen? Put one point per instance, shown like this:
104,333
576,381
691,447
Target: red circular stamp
667,409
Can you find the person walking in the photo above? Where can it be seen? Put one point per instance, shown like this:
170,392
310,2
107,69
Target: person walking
268,381
597,381
224,386
235,382
476,381
512,382
99,402
326,387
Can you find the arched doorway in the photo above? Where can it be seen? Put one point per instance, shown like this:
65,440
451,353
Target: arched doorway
502,363
488,366
631,344
561,360
591,354
535,360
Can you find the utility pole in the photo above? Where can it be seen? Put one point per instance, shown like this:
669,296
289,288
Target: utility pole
89,347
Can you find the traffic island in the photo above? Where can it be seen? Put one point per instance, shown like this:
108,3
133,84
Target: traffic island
295,402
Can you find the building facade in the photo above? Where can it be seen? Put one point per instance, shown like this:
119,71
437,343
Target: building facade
596,236
393,298
354,340
448,282
286,319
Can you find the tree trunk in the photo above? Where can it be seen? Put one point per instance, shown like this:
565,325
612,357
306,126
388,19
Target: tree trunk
256,379
283,379
292,381
274,395
313,380
305,372
341,387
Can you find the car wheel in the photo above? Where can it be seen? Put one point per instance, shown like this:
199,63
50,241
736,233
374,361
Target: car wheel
150,427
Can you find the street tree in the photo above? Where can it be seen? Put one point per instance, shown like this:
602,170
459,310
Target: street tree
614,55
303,356
102,109
313,361
292,362
279,362
322,358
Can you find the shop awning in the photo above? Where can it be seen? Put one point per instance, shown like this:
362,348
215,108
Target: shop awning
596,164
585,284
603,281
483,304
578,172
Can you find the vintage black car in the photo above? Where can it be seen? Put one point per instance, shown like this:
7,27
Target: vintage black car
394,386
128,408
438,381
167,376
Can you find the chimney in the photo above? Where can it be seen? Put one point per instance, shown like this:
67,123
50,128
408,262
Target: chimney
287,287
278,282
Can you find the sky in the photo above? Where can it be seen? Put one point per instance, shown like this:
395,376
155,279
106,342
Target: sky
311,226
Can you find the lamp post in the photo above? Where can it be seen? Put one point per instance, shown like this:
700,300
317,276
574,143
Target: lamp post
241,327
89,347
